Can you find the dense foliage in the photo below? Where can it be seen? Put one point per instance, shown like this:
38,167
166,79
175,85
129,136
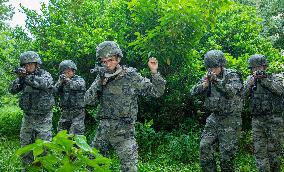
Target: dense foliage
65,153
272,13
177,32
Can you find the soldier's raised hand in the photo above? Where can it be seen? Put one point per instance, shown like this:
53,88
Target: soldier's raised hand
153,64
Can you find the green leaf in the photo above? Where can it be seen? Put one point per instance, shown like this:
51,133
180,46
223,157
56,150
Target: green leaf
101,161
26,149
81,141
54,147
62,138
38,150
60,135
67,166
50,159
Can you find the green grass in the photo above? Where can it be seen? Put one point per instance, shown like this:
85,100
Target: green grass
156,163
158,151
10,122
8,160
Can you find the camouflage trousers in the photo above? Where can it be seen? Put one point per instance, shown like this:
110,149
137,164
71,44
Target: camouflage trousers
72,120
119,135
267,131
223,132
35,126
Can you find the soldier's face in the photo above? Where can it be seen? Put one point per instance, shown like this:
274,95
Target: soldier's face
110,62
30,67
257,68
69,73
216,70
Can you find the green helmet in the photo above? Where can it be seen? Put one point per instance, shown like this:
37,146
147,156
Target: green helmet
257,60
29,57
108,49
214,58
67,64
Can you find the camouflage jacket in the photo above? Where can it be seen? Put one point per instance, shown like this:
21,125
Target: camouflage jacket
118,98
266,95
224,94
71,93
36,97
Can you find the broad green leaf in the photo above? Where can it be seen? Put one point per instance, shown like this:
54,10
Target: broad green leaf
26,149
81,141
38,150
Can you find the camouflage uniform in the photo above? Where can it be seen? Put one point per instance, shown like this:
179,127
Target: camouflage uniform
72,102
223,100
266,96
36,101
118,109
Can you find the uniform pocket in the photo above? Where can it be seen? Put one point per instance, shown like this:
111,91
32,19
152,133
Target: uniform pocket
212,103
25,102
42,102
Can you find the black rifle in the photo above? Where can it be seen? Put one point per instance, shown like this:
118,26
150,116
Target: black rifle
209,77
19,70
98,69
258,75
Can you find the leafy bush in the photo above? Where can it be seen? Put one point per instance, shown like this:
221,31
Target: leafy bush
65,153
184,148
148,139
245,158
10,120
180,146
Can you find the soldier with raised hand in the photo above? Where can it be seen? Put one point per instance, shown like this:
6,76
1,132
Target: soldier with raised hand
71,88
36,101
221,88
117,90
265,92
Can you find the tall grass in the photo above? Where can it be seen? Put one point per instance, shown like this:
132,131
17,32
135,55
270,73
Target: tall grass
176,151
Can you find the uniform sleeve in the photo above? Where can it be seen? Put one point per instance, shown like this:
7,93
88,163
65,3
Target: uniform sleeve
77,84
57,88
247,87
231,86
43,82
147,87
91,95
198,88
273,84
16,86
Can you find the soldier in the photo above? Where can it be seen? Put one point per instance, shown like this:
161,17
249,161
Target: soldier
266,96
36,101
71,89
117,90
221,88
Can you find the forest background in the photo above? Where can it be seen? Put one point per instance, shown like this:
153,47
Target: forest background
177,32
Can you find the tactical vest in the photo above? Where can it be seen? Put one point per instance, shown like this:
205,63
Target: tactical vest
264,102
36,101
216,102
72,98
119,99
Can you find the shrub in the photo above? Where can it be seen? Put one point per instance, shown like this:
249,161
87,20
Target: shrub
10,120
65,153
